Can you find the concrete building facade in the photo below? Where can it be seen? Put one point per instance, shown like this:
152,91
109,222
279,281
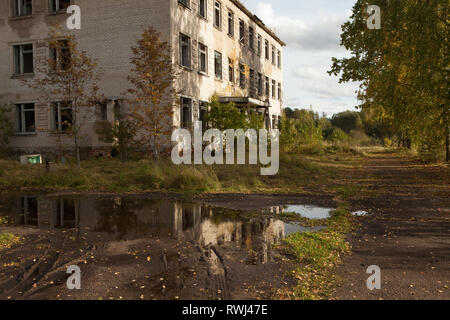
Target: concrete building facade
220,47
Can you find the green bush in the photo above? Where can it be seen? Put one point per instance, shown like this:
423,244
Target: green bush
191,179
337,135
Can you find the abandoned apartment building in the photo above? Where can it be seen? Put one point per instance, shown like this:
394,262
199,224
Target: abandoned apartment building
220,47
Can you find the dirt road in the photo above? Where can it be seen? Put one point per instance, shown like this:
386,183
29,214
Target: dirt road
408,235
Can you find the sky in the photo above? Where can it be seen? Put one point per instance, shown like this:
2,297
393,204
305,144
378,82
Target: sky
311,30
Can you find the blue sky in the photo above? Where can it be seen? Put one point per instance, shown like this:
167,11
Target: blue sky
311,30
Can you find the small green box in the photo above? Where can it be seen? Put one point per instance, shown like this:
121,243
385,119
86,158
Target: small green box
35,159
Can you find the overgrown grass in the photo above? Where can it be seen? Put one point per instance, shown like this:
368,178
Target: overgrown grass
296,173
7,240
317,253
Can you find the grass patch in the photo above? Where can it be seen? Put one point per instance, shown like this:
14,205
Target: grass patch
148,175
318,253
3,221
7,240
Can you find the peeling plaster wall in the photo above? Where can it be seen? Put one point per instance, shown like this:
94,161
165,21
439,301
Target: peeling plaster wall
201,87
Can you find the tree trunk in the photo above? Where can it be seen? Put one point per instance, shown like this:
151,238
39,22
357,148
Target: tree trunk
75,133
447,145
77,151
447,134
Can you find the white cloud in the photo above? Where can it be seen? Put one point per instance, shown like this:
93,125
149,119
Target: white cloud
312,38
317,82
321,32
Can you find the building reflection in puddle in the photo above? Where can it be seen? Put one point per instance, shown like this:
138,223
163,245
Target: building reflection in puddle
128,218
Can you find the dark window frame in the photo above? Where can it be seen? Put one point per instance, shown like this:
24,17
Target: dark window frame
62,119
185,3
62,58
185,61
230,23
19,51
218,68
203,9
259,45
242,77
217,14
266,49
202,52
241,31
22,109
22,8
55,6
185,117
231,77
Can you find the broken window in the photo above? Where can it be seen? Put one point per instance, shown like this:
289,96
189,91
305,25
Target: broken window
60,56
230,70
260,84
266,49
62,116
185,50
274,88
230,23
241,31
23,59
241,75
217,14
117,109
203,8
252,80
251,38
203,113
259,45
25,118
103,111
58,5
28,211
185,3
279,59
218,65
186,113
203,58
22,8
273,55
65,214
274,122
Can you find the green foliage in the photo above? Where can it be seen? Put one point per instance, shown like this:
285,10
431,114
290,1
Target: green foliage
227,116
152,94
430,150
121,134
347,121
403,68
301,131
6,126
337,135
8,239
317,253
75,81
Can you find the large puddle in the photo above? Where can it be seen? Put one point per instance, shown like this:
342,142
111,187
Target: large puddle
140,247
309,212
130,218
